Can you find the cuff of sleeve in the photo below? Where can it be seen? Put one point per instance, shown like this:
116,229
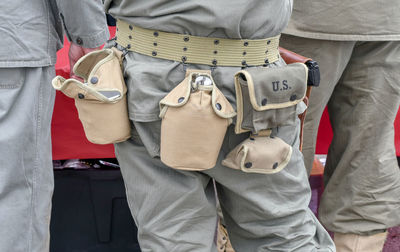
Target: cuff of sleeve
90,41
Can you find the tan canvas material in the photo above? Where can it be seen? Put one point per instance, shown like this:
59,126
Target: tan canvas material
359,243
101,98
259,154
223,241
197,49
266,97
195,116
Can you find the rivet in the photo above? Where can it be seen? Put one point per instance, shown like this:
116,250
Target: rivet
293,97
155,34
186,39
130,27
246,43
248,165
94,80
218,106
275,166
81,96
216,42
154,53
214,62
264,102
181,99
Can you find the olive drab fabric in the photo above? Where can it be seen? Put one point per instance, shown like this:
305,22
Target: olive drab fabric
101,98
195,116
32,31
175,210
344,20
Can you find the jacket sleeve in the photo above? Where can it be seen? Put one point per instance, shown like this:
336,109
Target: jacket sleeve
84,21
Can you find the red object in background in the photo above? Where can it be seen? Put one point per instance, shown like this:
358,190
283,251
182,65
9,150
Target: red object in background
69,139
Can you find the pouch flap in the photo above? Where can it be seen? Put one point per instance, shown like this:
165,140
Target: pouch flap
87,63
273,88
259,154
180,95
78,90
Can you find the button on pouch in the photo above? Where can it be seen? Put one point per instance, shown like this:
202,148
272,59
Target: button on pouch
267,97
195,116
101,98
259,154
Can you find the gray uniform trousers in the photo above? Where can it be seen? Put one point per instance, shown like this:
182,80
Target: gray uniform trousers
360,83
26,175
175,210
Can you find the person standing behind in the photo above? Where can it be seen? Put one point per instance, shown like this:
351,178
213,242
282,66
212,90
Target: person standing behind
356,44
31,33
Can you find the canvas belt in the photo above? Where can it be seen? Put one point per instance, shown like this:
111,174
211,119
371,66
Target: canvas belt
197,50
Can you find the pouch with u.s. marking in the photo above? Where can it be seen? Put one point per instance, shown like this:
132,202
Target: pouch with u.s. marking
267,97
195,116
101,98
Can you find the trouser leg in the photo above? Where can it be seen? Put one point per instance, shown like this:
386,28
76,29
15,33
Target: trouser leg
362,175
26,176
173,210
332,58
269,212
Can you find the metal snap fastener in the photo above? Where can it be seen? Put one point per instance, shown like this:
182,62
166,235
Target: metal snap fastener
81,96
154,53
155,34
186,39
94,80
185,49
244,53
275,166
248,165
155,44
79,41
264,102
293,97
215,52
246,43
218,106
181,99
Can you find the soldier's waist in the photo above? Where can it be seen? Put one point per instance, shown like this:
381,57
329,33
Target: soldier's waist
197,50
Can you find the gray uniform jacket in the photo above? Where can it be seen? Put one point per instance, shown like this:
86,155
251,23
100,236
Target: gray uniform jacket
32,31
351,20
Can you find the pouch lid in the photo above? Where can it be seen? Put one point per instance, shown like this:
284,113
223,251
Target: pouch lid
275,87
180,95
103,80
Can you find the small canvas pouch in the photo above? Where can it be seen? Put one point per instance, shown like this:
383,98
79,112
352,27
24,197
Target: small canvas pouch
195,116
101,98
267,97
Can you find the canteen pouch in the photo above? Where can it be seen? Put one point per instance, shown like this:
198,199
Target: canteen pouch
101,98
259,154
195,116
267,97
